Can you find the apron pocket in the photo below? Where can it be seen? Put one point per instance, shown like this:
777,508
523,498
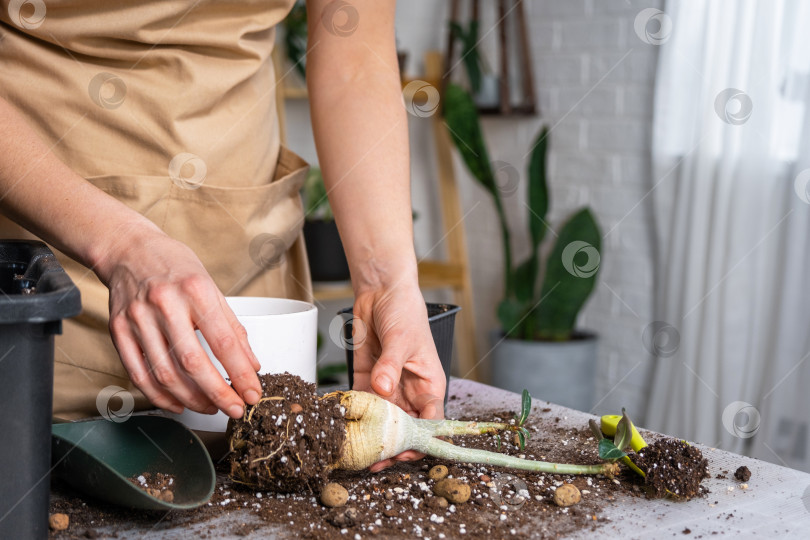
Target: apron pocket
237,232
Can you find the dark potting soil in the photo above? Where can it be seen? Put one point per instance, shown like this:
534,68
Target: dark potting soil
674,465
290,440
158,485
743,474
397,502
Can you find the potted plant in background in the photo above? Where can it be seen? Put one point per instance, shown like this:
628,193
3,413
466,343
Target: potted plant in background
538,346
484,84
327,260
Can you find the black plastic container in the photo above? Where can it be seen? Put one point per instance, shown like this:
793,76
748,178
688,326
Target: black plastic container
36,295
327,260
442,319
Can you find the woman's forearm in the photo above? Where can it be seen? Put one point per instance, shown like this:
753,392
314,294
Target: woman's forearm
361,133
42,194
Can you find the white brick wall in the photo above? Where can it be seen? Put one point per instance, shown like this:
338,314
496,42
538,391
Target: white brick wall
594,81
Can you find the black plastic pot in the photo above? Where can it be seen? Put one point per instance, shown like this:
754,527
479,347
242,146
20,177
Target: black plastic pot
327,260
442,319
36,295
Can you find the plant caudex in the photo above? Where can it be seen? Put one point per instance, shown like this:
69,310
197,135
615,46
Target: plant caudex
377,430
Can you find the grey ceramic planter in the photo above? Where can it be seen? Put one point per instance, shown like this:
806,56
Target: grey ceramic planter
560,372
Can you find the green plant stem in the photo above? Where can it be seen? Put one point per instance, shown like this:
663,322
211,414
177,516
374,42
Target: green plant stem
509,286
440,449
629,462
448,428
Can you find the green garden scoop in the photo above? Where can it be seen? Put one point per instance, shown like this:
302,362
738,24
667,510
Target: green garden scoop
98,457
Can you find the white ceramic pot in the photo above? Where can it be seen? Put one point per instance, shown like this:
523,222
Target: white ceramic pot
283,335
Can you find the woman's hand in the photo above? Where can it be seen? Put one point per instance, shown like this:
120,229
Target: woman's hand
160,293
394,354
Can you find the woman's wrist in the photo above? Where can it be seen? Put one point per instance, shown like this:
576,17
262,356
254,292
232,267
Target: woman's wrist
112,247
383,270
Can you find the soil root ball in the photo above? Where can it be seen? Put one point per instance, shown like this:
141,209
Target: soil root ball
276,449
672,465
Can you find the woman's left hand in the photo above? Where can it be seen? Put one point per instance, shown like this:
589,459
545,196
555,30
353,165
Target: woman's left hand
394,354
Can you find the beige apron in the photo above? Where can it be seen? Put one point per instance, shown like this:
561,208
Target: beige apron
169,107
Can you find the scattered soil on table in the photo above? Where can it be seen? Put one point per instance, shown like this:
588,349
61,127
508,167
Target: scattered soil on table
398,502
674,465
743,474
158,485
289,441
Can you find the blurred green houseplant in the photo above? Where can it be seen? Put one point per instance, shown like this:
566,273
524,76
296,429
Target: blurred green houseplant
572,265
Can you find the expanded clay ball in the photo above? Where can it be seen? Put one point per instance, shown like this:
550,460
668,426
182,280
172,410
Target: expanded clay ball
58,522
334,495
567,495
454,490
437,472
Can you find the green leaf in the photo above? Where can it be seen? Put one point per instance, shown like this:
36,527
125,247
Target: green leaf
526,407
498,442
469,52
624,432
461,116
538,189
526,278
315,198
471,59
595,429
571,273
295,37
522,439
608,451
510,315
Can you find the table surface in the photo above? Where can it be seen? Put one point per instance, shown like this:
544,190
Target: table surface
775,505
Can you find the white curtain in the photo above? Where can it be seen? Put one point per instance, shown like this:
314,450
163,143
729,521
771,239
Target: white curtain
731,198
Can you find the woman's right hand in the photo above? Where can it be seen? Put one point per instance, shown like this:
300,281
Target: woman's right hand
160,293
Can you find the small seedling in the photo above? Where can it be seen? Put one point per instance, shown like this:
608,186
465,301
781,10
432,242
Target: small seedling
611,451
